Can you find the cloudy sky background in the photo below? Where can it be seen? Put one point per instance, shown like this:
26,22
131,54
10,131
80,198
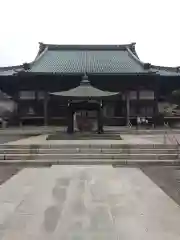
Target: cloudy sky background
154,26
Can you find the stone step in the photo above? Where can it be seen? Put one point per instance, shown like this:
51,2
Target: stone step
87,151
97,145
27,157
114,162
84,136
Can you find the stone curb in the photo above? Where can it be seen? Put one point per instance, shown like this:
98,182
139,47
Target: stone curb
114,163
90,146
101,156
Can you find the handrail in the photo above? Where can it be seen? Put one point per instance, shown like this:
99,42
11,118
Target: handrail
166,135
130,124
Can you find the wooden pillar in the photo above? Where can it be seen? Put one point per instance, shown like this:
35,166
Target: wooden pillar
70,120
127,107
46,98
99,122
137,105
36,96
17,118
100,119
155,105
137,102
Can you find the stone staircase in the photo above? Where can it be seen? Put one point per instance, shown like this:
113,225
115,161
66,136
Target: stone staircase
115,154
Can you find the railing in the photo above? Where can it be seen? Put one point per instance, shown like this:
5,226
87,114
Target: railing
130,124
169,135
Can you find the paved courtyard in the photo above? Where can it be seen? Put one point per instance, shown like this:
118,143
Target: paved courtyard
126,139
86,202
89,202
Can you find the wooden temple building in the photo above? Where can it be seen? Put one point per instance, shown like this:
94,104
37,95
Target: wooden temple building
44,89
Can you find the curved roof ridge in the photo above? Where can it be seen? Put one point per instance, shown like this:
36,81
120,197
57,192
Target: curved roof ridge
42,47
133,50
41,52
166,68
87,46
38,57
11,67
135,57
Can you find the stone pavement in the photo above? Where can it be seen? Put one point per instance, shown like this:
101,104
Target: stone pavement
86,202
126,139
31,130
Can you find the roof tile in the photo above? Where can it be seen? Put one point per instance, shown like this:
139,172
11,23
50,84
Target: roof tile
90,61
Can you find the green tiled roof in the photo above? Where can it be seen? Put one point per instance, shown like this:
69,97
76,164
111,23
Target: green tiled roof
112,59
85,90
87,59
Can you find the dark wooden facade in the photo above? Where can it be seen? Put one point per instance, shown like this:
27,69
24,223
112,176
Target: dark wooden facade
139,90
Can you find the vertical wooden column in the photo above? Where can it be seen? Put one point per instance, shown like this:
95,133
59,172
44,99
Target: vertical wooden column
36,103
155,104
100,118
16,98
98,121
127,98
46,99
36,95
137,104
70,120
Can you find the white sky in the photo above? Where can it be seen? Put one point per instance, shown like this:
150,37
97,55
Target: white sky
154,25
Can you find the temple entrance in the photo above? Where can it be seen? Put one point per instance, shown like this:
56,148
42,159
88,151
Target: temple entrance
85,121
85,116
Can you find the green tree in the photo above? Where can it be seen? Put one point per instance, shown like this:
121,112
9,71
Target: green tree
175,97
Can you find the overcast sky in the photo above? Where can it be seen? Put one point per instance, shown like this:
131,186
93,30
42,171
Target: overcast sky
154,26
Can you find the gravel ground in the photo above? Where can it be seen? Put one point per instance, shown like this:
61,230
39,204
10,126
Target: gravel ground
167,178
7,172
9,138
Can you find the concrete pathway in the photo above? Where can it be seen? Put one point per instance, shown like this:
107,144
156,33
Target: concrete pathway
86,202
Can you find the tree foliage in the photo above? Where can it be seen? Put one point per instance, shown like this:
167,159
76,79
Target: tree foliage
175,96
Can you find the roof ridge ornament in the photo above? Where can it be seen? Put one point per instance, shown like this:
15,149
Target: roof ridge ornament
42,47
178,68
147,66
26,66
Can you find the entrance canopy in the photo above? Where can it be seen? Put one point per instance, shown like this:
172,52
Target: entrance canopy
86,91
